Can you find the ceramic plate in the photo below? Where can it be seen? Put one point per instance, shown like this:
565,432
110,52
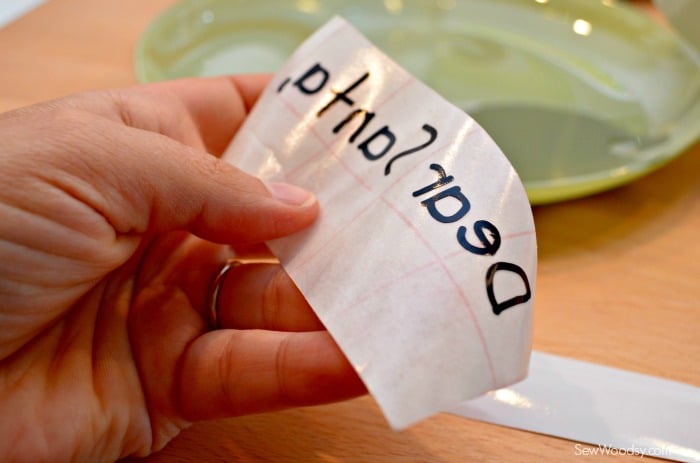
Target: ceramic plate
581,95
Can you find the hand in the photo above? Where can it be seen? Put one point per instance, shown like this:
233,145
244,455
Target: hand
114,220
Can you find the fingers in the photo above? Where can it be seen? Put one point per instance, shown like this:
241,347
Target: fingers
201,193
257,294
229,372
149,183
254,295
137,158
204,113
190,374
263,296
220,203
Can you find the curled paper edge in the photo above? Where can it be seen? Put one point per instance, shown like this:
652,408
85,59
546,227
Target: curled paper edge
399,413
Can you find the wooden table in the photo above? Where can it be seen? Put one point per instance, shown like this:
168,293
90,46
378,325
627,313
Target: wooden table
618,281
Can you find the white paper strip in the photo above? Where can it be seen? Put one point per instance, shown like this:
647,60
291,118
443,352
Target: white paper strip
12,10
422,263
619,412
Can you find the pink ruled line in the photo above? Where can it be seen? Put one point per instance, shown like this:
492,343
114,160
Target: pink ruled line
510,236
389,284
455,283
326,147
310,256
419,160
520,234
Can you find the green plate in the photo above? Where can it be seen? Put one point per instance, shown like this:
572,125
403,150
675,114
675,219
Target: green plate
581,95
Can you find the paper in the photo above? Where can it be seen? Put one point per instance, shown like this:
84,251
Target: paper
422,263
619,412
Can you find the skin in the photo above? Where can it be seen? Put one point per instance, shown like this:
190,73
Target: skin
115,216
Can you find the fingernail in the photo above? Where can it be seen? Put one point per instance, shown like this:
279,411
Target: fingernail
290,194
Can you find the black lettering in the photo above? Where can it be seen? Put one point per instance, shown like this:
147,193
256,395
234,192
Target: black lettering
499,307
368,117
490,244
453,192
389,138
343,95
443,179
283,84
432,133
302,83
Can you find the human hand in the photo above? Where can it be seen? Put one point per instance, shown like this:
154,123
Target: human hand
114,220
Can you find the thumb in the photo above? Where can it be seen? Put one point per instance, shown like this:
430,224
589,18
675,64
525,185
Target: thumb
159,184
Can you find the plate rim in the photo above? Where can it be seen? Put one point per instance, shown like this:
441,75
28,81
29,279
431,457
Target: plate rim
539,192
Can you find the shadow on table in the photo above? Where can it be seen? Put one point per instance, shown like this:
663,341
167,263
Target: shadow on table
353,431
624,217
